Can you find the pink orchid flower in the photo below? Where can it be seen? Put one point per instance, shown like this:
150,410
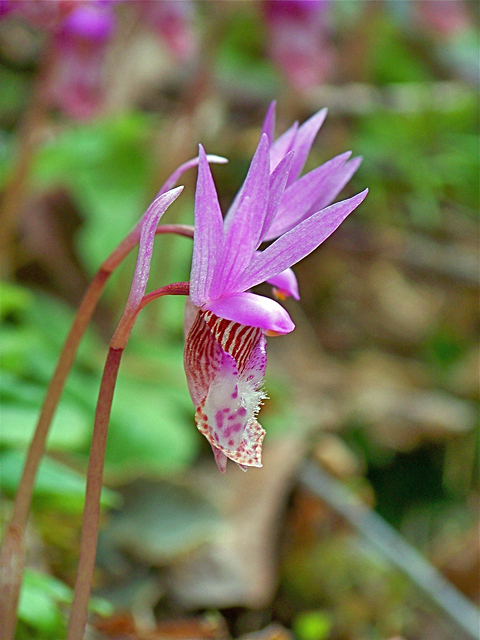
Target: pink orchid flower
225,348
300,40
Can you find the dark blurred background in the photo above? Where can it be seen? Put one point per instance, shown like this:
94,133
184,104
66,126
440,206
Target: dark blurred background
379,382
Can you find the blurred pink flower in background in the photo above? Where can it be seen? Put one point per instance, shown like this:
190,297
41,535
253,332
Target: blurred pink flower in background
444,19
299,40
80,33
78,81
173,21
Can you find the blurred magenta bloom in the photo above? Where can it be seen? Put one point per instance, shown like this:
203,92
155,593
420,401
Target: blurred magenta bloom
445,19
80,32
173,20
299,40
78,82
225,349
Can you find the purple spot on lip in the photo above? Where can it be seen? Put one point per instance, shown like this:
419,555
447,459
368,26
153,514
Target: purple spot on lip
236,427
235,393
219,419
241,411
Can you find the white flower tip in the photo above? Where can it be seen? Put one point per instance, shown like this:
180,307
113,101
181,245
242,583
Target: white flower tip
211,157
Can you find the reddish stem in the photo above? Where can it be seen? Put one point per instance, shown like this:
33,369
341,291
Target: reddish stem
12,555
91,513
13,547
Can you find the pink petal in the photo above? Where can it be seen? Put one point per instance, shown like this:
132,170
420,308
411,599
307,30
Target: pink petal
300,197
285,284
298,242
303,142
245,226
254,311
208,234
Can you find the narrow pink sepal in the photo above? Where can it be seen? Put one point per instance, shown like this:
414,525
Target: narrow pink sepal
282,145
208,233
149,224
304,140
335,183
172,180
298,242
241,237
299,198
278,180
252,310
269,122
285,284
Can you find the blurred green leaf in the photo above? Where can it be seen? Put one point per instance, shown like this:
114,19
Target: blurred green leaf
14,300
150,430
313,625
391,59
40,613
70,429
107,165
55,482
241,55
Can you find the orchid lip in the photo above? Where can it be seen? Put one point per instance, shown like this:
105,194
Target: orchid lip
252,310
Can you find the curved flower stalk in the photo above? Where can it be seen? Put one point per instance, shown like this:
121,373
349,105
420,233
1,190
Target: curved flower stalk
136,301
225,356
12,553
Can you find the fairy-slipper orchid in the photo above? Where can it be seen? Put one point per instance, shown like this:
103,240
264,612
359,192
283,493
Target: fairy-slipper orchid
225,356
225,363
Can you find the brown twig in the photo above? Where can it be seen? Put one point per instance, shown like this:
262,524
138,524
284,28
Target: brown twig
91,513
33,121
12,554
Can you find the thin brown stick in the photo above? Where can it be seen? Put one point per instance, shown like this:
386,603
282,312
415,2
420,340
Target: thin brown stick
91,514
12,554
